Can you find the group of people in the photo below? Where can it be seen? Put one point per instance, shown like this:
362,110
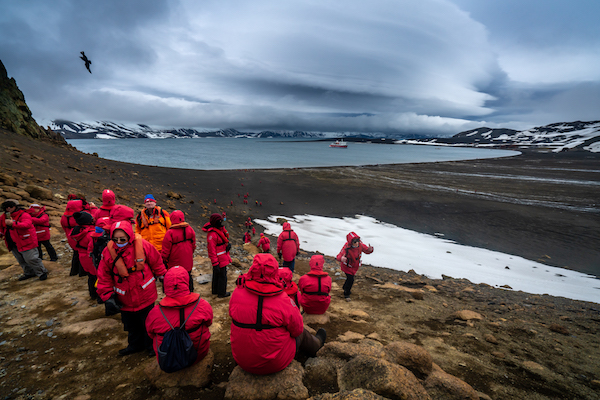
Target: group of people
124,255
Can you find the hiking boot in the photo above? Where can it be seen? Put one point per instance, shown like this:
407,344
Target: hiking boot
322,335
151,353
43,276
221,296
25,277
348,298
129,350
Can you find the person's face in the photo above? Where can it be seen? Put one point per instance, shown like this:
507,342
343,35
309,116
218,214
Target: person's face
150,205
355,243
120,237
10,209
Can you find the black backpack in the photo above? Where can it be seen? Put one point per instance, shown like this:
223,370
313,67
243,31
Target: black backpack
177,350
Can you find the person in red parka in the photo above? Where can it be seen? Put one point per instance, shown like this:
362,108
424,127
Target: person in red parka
218,247
197,311
82,236
289,286
108,202
264,244
41,221
67,221
179,244
315,287
16,227
288,246
247,237
349,258
267,329
127,283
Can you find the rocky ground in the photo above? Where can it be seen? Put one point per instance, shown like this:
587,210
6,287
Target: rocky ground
55,343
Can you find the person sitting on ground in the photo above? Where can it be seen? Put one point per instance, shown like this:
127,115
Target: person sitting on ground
264,243
152,222
179,244
267,329
178,306
41,221
315,287
247,237
108,202
289,286
82,236
218,247
16,227
349,258
288,246
127,283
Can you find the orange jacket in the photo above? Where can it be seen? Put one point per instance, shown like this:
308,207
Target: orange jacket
153,228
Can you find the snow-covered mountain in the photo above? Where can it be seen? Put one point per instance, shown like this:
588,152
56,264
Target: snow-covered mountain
112,130
562,136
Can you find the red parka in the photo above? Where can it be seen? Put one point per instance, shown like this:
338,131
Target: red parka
137,290
273,348
179,243
41,221
178,297
287,243
67,221
289,286
315,287
82,238
264,243
352,254
217,240
108,202
22,231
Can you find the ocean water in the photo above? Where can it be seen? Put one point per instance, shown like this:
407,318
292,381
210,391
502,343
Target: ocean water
242,153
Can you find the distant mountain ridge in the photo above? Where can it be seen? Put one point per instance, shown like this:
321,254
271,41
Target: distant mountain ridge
561,136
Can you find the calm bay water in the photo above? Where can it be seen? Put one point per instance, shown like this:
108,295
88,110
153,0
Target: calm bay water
241,153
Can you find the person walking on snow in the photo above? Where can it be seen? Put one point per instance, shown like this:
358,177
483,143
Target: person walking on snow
152,222
218,247
349,258
288,246
179,244
41,221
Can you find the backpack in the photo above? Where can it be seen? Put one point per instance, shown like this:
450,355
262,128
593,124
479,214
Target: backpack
177,350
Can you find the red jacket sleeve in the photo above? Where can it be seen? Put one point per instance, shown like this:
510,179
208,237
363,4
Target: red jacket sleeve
211,248
167,243
154,260
342,253
105,279
294,322
366,249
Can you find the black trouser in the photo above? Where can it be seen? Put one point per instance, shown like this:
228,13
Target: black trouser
92,286
289,264
348,285
219,281
134,322
191,282
308,344
75,264
49,249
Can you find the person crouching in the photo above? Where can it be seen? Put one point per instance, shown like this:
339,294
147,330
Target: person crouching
267,329
127,283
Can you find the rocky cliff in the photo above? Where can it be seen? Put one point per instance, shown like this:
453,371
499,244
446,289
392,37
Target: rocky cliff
15,116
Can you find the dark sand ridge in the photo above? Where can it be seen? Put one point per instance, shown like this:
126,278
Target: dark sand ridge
532,357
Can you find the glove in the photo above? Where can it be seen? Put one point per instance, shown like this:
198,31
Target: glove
344,260
111,306
228,247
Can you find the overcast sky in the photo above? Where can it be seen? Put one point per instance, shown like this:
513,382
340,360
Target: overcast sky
389,66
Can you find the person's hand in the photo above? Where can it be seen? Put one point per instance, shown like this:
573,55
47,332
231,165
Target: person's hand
8,222
344,260
228,247
371,248
111,306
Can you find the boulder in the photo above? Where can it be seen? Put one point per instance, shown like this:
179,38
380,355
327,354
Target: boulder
90,328
252,249
38,192
467,315
198,375
282,385
410,356
356,394
441,385
321,374
347,351
8,180
349,336
316,319
382,377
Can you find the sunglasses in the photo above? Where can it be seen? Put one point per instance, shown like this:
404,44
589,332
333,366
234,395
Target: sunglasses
120,240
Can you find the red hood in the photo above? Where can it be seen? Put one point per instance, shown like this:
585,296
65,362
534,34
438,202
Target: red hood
263,276
73,206
125,226
177,217
177,282
35,211
286,275
287,226
121,213
108,198
316,265
351,236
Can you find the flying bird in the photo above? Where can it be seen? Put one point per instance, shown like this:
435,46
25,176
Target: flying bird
86,60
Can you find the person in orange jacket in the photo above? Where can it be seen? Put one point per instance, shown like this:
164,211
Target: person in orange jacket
153,222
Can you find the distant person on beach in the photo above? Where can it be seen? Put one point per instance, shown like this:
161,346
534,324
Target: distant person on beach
180,309
179,244
247,237
108,202
349,258
218,247
152,222
264,243
127,277
41,221
288,246
315,287
18,232
267,341
82,236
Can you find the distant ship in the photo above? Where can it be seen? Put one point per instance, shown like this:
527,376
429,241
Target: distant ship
339,143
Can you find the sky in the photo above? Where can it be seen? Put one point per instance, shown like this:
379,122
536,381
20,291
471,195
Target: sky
435,67
401,249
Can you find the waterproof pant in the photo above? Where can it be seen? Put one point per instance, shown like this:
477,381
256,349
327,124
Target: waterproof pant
30,262
92,286
289,264
75,264
191,282
219,281
308,344
134,322
49,249
348,285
